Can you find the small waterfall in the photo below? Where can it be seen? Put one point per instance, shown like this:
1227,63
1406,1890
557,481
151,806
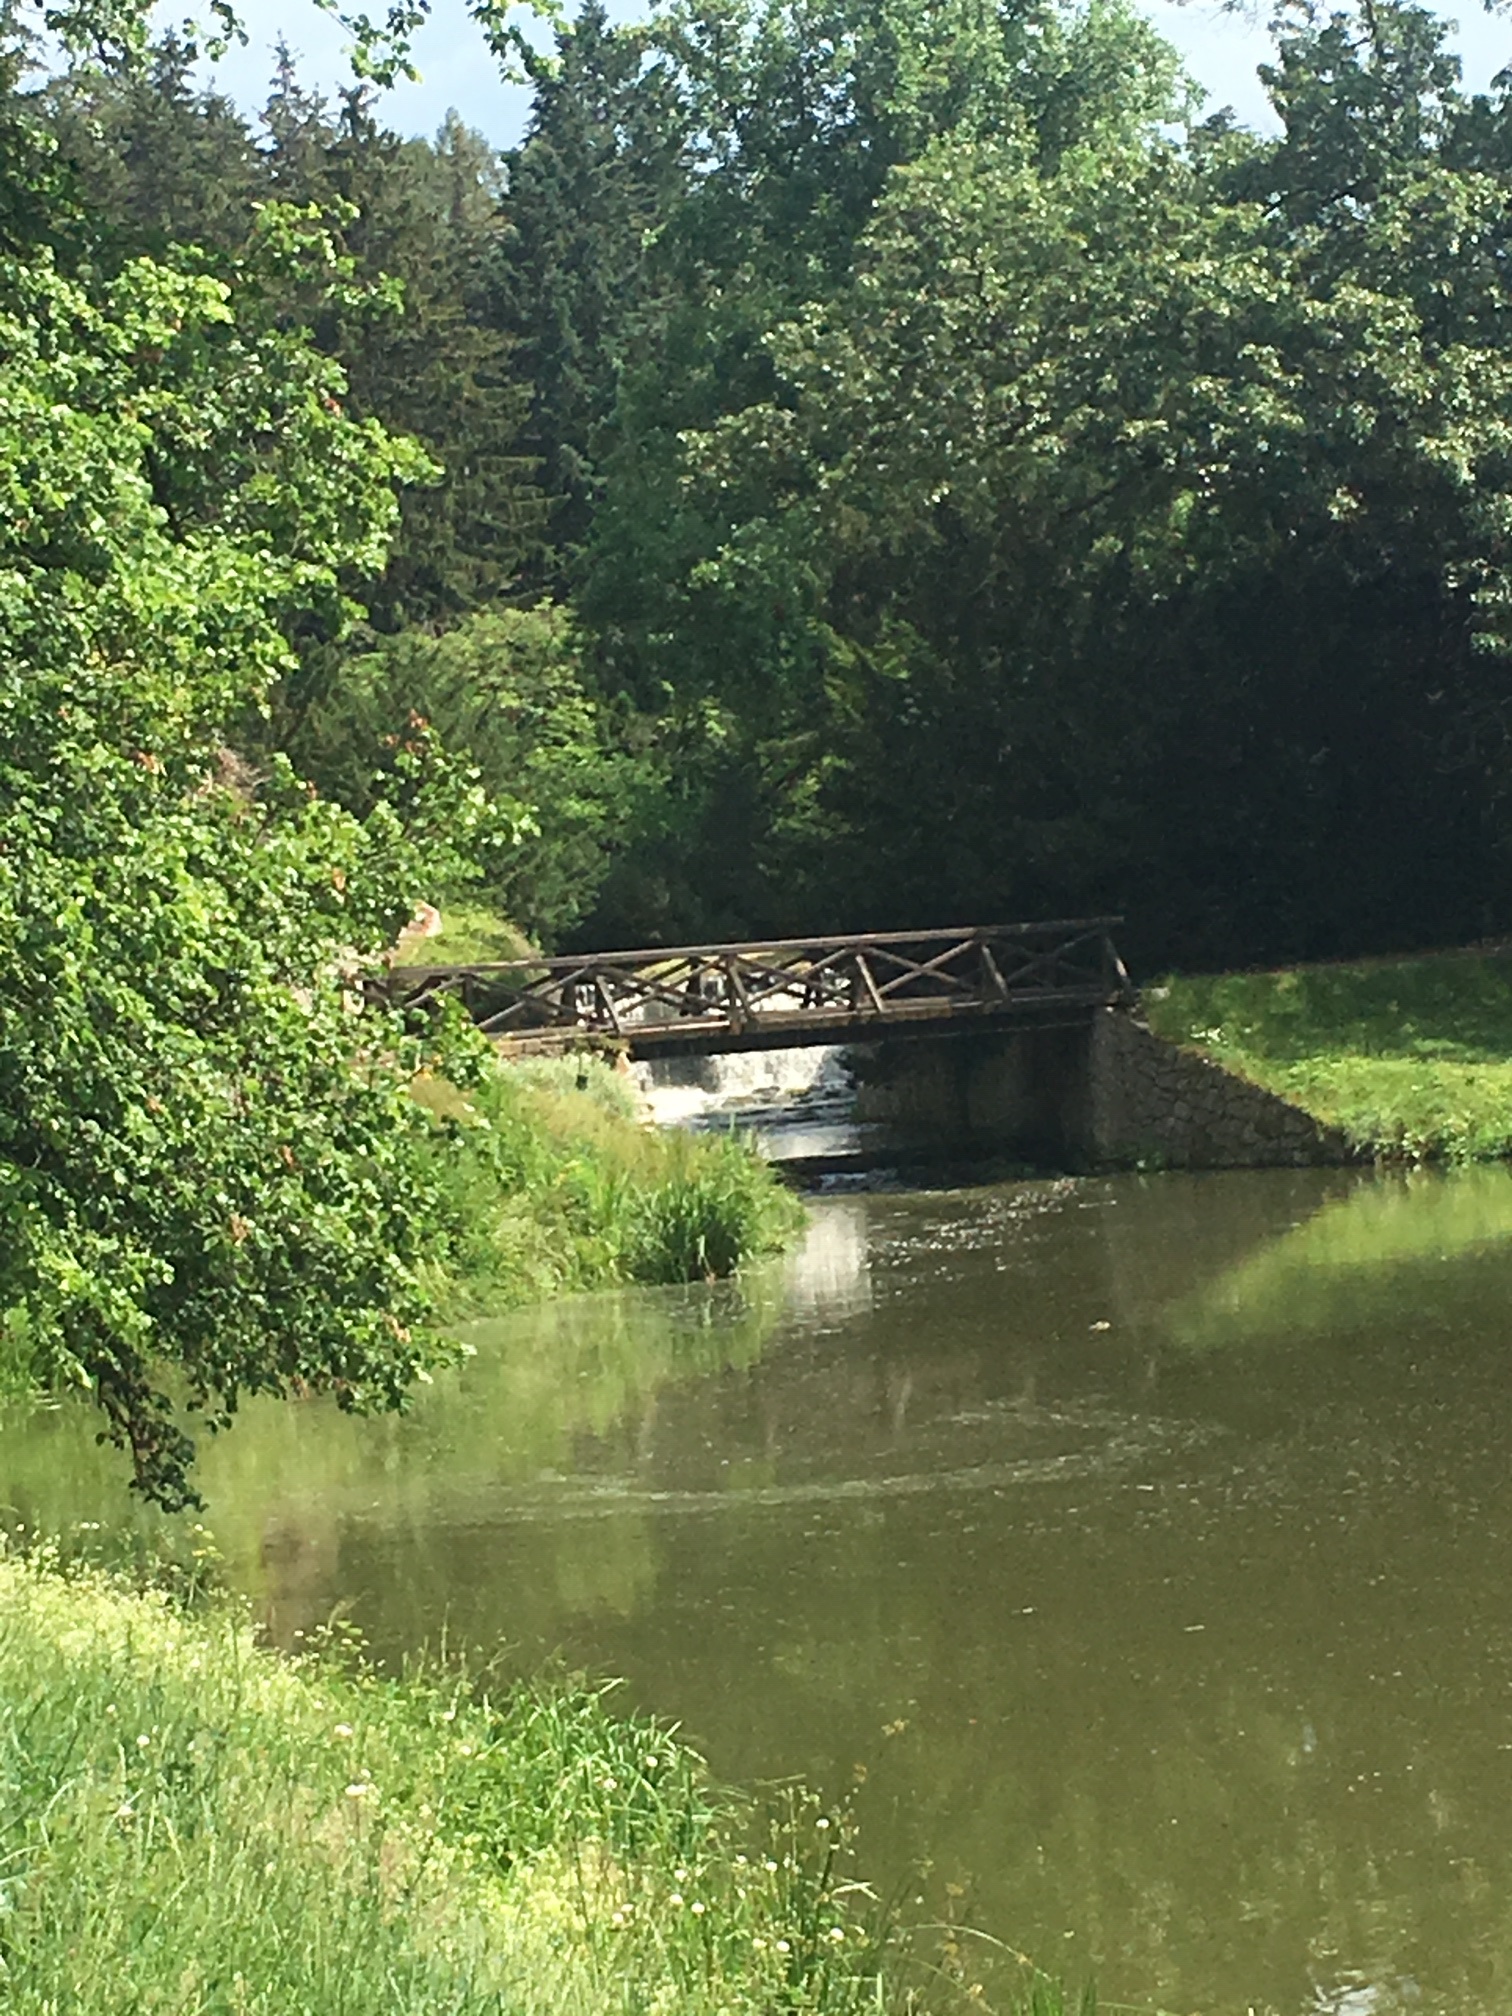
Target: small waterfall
798,1103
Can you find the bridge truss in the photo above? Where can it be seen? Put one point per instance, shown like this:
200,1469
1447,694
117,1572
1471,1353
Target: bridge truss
694,999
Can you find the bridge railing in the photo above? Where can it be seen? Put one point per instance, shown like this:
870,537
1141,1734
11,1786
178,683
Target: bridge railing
663,996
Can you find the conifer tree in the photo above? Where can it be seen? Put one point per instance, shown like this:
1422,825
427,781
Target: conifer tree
589,191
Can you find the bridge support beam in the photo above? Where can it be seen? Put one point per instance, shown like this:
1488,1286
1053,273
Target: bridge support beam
1097,1092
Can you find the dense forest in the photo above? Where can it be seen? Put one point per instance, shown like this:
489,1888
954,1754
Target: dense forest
855,463
896,464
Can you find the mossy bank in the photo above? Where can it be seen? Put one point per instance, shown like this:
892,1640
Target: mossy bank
1410,1059
191,1824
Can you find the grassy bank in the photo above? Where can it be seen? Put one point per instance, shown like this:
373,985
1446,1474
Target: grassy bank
471,934
555,1185
190,1824
1411,1058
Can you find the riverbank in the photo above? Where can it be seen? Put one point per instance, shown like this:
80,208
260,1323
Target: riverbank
556,1185
194,1824
1410,1058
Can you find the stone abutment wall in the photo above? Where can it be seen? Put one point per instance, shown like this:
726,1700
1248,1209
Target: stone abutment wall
1147,1100
1103,1092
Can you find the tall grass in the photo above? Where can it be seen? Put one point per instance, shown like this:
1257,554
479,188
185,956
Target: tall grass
554,1185
1410,1058
190,1824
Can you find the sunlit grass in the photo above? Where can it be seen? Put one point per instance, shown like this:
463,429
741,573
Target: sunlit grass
190,1824
555,1187
1410,1058
471,934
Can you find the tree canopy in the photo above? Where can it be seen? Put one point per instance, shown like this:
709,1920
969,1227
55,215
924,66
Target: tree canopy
212,1178
849,465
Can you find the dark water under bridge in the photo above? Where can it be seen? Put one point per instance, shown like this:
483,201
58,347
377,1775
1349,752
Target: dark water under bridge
694,1000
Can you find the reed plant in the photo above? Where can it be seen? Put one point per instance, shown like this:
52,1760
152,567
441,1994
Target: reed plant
190,1824
556,1186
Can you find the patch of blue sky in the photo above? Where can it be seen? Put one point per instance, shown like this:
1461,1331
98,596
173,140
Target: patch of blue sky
1222,49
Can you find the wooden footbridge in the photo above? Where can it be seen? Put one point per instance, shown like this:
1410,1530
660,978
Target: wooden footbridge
691,1000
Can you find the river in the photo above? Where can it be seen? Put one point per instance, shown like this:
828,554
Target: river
1135,1552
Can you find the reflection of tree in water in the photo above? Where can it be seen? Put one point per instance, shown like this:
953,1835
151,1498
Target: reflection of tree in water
1200,1655
1349,1263
287,1484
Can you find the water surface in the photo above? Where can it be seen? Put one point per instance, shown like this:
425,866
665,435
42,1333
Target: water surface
1138,1551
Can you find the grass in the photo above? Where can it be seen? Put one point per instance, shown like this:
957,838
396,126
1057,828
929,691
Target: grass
555,1186
471,934
190,1824
1410,1058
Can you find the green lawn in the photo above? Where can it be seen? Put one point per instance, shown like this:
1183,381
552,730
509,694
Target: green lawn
1412,1058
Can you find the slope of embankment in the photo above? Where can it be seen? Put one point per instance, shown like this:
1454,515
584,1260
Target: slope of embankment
194,1824
555,1186
1411,1058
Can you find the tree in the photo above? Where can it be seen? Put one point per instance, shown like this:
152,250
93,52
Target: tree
155,160
159,163
212,1178
1121,522
599,173
507,694
708,596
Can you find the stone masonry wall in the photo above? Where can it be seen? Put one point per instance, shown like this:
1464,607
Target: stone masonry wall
1147,1100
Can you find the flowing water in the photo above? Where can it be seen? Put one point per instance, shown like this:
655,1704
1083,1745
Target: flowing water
1137,1551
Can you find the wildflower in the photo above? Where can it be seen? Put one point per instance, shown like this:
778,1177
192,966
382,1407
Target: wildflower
698,1907
675,1898
837,1933
343,1730
770,1866
143,1742
358,1789
681,1875
652,1762
609,1784
821,1823
783,1946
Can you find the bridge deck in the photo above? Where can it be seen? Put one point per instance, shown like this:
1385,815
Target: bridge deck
693,999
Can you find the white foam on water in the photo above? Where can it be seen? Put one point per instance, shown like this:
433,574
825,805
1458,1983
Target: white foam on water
777,1095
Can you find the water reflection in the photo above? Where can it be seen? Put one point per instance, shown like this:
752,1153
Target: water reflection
1353,1261
1144,1543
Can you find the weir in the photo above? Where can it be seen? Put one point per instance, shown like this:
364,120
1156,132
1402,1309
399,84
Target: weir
1099,1092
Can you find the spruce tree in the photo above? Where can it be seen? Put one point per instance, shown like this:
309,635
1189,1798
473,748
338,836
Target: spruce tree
589,190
